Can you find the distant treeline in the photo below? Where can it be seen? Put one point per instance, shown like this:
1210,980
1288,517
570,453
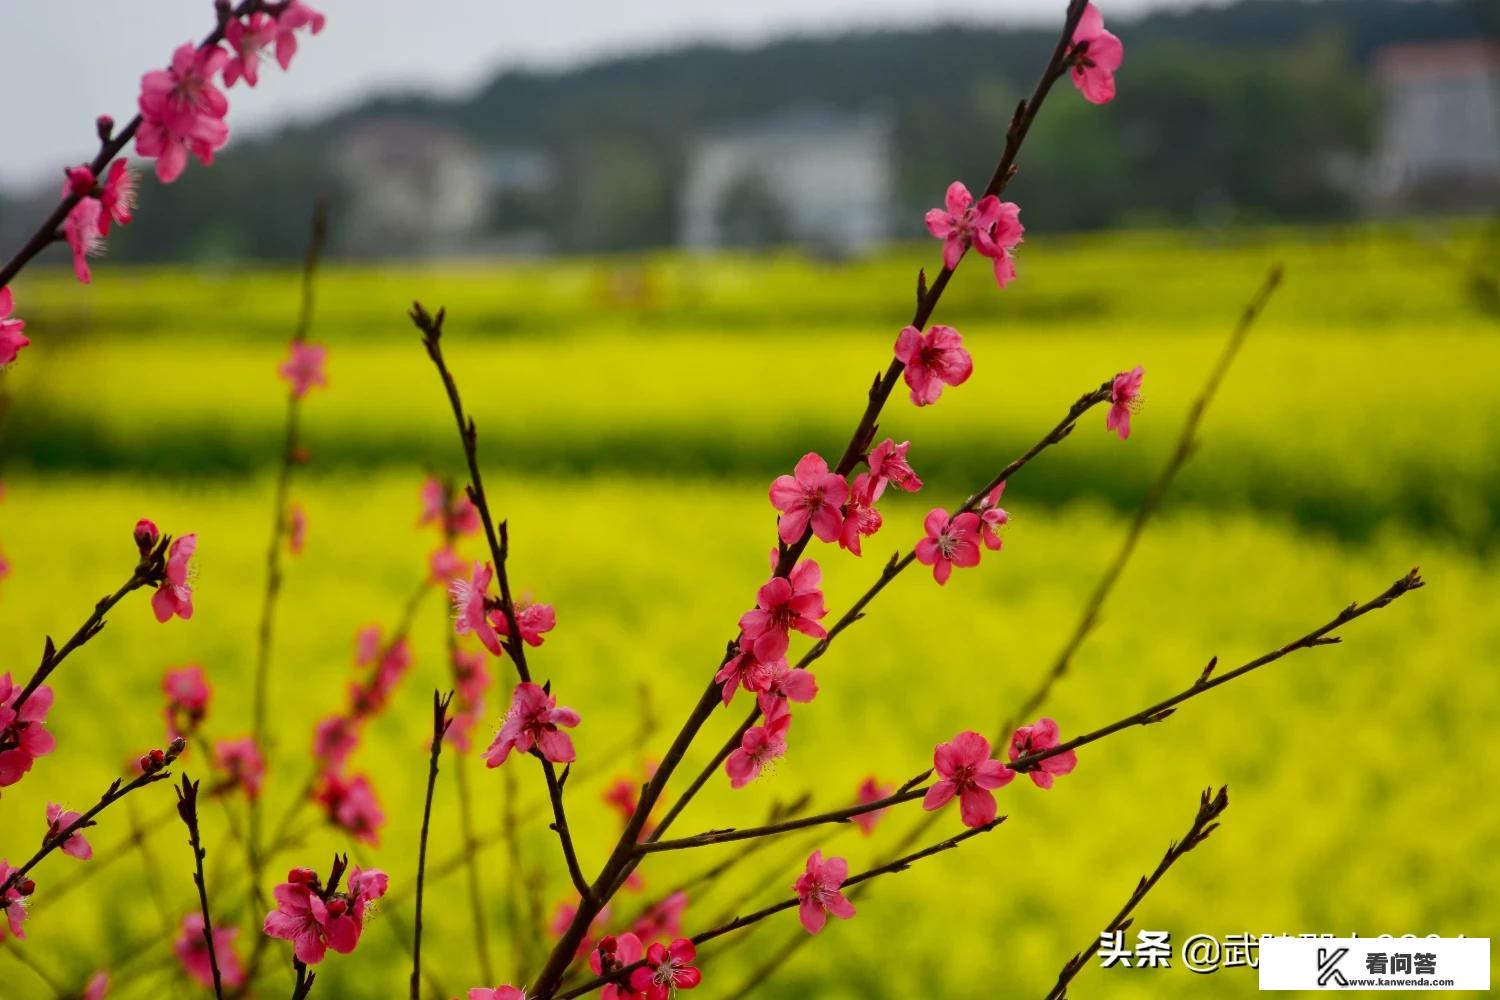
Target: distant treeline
1224,114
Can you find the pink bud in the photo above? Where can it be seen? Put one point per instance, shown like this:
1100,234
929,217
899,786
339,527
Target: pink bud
146,535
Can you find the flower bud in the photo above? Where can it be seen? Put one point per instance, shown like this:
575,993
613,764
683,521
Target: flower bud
337,907
302,876
146,536
104,126
25,886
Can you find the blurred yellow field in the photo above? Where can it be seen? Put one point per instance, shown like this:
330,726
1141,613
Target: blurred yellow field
631,413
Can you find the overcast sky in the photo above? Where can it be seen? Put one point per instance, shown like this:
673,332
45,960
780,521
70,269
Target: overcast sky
63,62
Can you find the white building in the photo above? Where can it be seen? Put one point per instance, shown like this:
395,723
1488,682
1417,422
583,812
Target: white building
1439,140
416,189
818,177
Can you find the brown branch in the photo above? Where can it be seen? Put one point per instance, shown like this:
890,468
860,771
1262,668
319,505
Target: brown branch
1210,807
113,794
898,865
440,723
622,859
109,148
149,570
1187,443
892,569
1154,713
499,541
906,793
1207,681
187,808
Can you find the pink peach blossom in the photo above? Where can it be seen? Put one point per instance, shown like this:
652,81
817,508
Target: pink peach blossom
759,746
246,39
97,987
470,614
444,564
812,494
242,762
296,532
294,18
861,519
188,695
738,671
615,952
458,516
1094,67
367,645
12,340
175,595
350,805
182,111
315,921
933,360
778,682
967,771
58,820
818,892
303,368
117,196
668,969
85,238
192,951
24,733
506,992
13,902
534,621
993,517
871,790
1042,735
950,542
1124,399
960,220
782,604
533,722
888,464
999,242
334,739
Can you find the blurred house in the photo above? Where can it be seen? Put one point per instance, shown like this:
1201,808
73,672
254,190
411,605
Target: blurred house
414,189
817,177
1439,137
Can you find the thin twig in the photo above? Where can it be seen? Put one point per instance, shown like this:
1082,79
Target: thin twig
440,723
113,794
907,793
1187,443
1208,680
187,808
499,541
1210,807
289,446
149,570
898,865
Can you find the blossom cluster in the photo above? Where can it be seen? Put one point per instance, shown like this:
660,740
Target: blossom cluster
181,112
